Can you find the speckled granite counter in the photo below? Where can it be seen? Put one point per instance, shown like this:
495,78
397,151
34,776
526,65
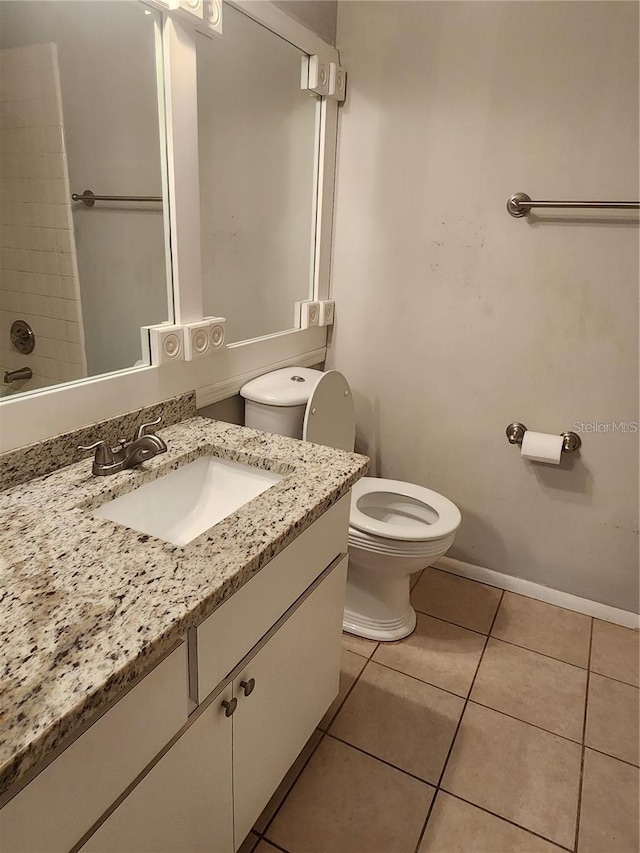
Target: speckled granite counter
86,606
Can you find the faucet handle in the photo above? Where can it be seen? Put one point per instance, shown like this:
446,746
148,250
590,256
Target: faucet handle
142,429
104,454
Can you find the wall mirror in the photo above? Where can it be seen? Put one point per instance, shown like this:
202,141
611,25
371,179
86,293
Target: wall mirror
79,113
258,163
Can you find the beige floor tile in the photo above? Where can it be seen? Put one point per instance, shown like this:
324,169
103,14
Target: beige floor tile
359,645
285,786
537,689
457,827
544,628
402,720
465,602
351,666
437,652
612,718
265,847
615,652
347,802
516,771
609,809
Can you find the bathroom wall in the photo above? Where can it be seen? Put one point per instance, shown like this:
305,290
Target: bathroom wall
38,269
454,318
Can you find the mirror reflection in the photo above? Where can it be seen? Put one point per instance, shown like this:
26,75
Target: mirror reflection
78,112
258,135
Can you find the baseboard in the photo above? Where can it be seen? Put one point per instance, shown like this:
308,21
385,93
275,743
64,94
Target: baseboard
539,592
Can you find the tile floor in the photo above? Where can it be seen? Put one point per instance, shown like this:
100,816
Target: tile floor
502,725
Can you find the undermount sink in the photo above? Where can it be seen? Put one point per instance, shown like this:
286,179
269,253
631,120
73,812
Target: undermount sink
184,503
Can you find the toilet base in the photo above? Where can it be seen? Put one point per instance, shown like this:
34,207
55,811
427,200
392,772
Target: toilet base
377,604
380,630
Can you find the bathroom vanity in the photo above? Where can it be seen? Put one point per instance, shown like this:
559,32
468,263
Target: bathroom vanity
155,695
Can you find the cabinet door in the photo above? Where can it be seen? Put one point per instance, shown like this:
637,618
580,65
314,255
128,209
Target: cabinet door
295,679
185,802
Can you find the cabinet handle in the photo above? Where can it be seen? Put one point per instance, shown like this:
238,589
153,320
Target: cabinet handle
229,706
248,686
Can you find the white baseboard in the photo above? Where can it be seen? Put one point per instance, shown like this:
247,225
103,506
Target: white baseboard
539,592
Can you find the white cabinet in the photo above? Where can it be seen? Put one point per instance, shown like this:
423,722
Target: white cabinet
64,801
145,777
225,637
213,783
296,678
184,803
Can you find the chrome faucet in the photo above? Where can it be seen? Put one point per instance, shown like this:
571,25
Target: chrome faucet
111,460
16,375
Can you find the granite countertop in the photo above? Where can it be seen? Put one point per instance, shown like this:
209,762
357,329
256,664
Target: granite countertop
87,606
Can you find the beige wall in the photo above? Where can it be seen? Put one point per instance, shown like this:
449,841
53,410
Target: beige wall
455,319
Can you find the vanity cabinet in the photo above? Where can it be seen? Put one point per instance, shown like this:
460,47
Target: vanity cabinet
185,802
65,799
260,673
213,783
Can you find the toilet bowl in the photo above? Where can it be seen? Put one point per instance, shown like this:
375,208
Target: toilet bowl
395,528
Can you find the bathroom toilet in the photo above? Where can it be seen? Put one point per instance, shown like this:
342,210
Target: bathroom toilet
395,528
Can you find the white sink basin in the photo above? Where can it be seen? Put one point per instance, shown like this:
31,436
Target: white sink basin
184,503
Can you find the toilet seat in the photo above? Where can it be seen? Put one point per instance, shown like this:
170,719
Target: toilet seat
392,509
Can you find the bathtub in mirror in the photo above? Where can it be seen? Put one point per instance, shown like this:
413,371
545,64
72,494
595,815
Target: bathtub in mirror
258,134
80,110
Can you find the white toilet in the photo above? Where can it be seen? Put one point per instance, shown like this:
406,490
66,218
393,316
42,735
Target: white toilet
395,528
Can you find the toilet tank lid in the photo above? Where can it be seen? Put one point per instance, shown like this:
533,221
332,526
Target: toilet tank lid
290,386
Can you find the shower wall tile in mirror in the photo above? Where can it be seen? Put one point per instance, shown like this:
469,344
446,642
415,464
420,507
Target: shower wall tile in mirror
258,142
79,111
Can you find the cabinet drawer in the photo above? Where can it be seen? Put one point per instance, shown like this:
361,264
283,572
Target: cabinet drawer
230,633
55,810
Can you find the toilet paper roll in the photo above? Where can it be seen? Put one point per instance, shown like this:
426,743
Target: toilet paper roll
542,447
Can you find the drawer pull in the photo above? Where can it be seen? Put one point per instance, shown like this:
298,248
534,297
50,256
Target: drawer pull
229,706
248,686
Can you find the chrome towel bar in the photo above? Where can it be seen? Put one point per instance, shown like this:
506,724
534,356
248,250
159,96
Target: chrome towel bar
89,198
519,204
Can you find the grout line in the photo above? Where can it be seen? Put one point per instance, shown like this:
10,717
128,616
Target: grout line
509,642
367,657
468,698
584,734
613,757
413,585
383,761
272,843
455,735
610,678
506,820
421,680
346,696
448,621
473,680
526,722
438,788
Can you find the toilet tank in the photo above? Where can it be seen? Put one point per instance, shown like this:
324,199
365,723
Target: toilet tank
276,402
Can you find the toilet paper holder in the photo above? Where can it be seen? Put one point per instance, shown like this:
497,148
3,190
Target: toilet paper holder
570,440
